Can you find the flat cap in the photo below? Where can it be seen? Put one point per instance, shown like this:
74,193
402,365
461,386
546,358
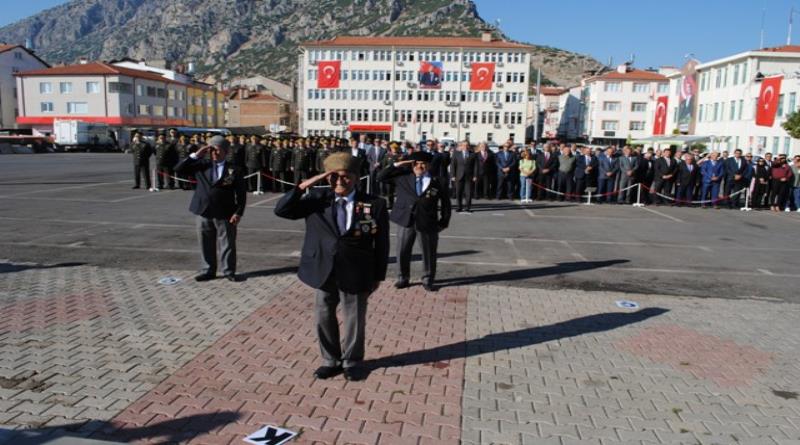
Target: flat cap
421,156
219,141
341,161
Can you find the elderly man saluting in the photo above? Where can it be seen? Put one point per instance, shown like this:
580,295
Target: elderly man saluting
344,257
422,210
218,202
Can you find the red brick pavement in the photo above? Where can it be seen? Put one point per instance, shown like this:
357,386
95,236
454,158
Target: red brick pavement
40,313
262,371
705,356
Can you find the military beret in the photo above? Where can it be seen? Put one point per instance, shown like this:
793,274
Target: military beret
341,161
421,156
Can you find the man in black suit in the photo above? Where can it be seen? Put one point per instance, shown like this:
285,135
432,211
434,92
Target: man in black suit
666,170
645,175
546,172
422,209
463,169
505,160
688,174
484,172
218,202
344,257
585,171
735,177
360,154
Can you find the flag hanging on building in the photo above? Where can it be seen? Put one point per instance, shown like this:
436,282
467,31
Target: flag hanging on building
430,75
482,76
660,120
768,101
328,74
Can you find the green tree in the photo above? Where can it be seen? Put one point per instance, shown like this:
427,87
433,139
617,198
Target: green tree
792,125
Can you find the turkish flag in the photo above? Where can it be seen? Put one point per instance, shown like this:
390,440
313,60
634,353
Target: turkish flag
768,101
482,76
660,121
328,74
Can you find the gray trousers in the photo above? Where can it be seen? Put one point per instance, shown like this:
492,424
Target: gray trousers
354,309
624,181
211,231
405,245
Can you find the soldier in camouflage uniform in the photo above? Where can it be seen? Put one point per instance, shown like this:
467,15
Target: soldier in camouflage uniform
254,160
278,165
166,158
300,165
141,151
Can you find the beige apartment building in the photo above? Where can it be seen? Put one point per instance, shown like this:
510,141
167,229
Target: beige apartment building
261,109
14,59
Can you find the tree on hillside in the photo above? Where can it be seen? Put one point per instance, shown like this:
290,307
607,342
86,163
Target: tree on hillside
792,125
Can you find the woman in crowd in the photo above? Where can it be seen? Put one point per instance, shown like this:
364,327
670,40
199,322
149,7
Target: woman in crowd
781,177
761,178
527,167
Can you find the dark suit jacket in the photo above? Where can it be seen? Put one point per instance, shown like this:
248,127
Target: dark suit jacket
221,199
731,170
464,166
362,158
485,167
505,159
662,169
439,165
580,167
686,178
551,164
427,213
358,258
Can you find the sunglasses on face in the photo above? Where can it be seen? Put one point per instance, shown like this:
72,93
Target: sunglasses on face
334,178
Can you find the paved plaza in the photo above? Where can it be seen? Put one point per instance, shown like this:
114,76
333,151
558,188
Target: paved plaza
523,344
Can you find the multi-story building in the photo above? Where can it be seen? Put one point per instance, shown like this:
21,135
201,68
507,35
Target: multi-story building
261,84
727,95
619,105
13,59
413,88
254,108
116,95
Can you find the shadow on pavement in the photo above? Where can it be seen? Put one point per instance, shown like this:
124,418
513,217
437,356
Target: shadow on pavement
524,274
11,267
516,339
167,432
268,272
418,257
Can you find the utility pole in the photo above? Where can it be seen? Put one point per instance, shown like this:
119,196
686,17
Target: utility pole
536,104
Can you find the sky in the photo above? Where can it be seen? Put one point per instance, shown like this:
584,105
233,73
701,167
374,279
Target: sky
656,32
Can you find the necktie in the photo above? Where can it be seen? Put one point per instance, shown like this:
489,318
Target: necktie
341,215
690,168
419,185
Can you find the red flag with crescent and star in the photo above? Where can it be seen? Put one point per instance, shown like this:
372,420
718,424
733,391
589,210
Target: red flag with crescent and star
768,101
328,74
660,121
482,76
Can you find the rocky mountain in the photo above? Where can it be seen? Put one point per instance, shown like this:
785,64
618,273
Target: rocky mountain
232,38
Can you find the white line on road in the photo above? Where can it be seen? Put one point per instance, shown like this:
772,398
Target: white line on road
55,190
765,272
520,261
255,204
656,212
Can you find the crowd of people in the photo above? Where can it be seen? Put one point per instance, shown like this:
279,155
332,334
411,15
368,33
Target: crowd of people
565,172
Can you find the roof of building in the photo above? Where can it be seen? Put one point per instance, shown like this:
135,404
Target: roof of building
630,75
261,96
4,47
98,69
417,42
782,49
553,91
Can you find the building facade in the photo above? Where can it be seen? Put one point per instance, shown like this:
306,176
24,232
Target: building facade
414,88
619,105
259,109
13,59
727,96
115,95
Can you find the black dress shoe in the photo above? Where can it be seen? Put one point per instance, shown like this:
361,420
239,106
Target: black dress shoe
232,278
135,187
354,374
326,372
204,277
401,284
429,287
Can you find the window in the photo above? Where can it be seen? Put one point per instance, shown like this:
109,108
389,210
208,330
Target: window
640,88
158,110
639,106
120,87
65,87
741,107
151,91
611,106
47,107
787,144
45,88
736,74
610,125
791,107
716,112
780,105
636,125
733,110
700,113
612,87
143,110
77,108
92,87
663,88
776,143
18,55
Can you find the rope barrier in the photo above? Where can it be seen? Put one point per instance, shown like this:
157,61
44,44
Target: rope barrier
684,201
590,195
294,185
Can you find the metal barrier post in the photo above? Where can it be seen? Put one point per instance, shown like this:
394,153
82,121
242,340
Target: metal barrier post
639,196
258,184
154,184
589,199
746,207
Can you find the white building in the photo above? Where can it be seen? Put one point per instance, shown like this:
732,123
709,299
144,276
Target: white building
13,59
620,104
380,91
261,84
728,91
561,109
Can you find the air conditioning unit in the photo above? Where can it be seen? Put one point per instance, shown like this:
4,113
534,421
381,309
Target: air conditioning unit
453,125
411,85
465,125
312,62
467,65
498,105
500,64
399,63
402,124
387,102
497,126
451,104
511,126
499,84
334,122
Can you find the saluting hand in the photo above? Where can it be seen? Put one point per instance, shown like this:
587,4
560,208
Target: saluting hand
202,152
402,163
311,181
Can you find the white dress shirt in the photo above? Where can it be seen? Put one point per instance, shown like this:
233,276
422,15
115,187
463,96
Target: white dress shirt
220,167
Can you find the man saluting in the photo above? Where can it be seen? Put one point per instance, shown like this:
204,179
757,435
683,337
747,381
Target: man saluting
422,209
344,257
